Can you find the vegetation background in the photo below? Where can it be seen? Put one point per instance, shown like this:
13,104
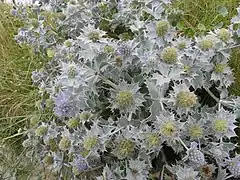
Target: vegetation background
18,97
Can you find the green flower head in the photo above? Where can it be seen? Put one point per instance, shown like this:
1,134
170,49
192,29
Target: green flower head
168,129
73,123
125,148
124,98
108,49
94,36
41,130
195,131
162,27
64,144
153,140
224,34
169,55
220,125
48,160
72,71
219,68
186,99
90,142
207,43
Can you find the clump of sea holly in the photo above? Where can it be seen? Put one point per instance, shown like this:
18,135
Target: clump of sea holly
120,103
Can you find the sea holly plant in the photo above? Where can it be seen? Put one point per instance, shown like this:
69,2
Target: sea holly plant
128,93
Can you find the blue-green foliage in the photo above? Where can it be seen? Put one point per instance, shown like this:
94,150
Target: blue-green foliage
125,86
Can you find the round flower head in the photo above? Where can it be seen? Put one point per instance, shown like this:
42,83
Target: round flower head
162,27
64,144
169,55
124,53
160,31
207,171
151,140
108,49
224,34
41,130
72,75
195,129
206,43
79,164
48,160
186,99
65,105
195,155
169,128
73,123
127,97
124,148
182,98
94,140
91,34
90,142
222,124
234,166
219,68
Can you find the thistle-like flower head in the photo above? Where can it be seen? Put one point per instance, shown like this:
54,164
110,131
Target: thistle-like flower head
183,98
169,128
41,130
169,55
224,34
195,155
124,148
79,164
65,105
207,43
127,97
222,124
64,144
91,34
162,27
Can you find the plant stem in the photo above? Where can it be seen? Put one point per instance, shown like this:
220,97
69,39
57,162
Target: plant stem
211,94
184,145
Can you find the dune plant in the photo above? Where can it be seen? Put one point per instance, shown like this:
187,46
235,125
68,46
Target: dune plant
127,92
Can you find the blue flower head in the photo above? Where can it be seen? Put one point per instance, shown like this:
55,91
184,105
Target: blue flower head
79,164
65,105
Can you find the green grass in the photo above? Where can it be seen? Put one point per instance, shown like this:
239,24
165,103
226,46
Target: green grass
17,95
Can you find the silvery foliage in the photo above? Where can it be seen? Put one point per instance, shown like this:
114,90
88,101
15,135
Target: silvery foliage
117,103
